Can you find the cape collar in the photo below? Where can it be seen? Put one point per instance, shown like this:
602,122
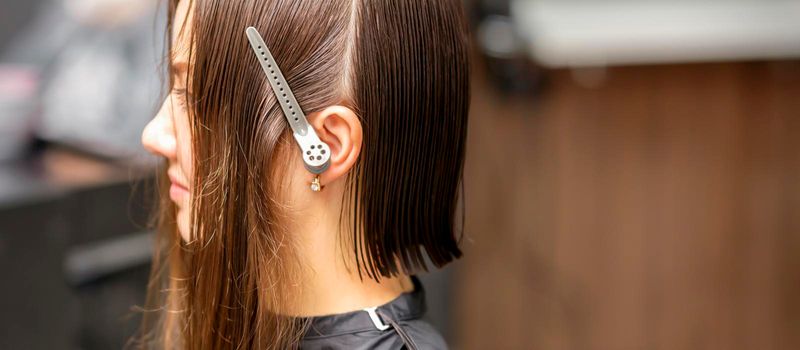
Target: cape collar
407,306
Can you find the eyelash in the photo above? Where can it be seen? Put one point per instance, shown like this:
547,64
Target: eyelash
181,97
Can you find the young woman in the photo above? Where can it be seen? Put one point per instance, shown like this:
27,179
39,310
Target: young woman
261,248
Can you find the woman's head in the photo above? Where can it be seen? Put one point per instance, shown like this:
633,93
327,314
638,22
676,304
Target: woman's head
384,83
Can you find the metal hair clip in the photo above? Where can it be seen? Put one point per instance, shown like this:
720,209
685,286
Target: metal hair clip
316,154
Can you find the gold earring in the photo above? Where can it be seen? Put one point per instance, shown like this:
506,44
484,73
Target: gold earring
315,185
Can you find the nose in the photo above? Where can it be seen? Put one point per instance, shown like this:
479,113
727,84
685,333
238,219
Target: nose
158,136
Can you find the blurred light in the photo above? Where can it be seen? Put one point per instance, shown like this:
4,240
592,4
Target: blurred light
582,33
497,37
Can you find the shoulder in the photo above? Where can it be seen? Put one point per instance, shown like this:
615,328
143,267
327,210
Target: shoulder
424,335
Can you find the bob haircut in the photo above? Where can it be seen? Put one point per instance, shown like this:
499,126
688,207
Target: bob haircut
401,65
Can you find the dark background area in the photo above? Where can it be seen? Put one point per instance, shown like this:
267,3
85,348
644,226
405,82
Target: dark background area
46,222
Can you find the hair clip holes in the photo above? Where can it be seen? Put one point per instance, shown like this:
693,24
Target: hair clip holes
319,157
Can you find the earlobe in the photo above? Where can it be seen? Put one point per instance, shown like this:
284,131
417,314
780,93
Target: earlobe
340,128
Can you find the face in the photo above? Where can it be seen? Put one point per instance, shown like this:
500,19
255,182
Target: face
168,134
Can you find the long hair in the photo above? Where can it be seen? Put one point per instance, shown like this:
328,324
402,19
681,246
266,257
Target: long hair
401,65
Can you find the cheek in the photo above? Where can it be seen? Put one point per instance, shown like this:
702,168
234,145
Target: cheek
185,159
183,155
184,146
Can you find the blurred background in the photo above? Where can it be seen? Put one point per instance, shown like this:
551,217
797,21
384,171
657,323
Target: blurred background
632,177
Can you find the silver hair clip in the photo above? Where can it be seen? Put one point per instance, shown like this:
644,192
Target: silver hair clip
316,154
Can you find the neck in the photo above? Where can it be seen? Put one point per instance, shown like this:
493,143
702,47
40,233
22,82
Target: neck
331,283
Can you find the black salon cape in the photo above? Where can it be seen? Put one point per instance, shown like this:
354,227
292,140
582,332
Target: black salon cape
356,330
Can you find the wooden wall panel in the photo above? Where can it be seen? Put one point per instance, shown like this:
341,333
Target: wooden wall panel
658,210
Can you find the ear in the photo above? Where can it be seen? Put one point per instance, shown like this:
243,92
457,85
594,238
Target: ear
340,128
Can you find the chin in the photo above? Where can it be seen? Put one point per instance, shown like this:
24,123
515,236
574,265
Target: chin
183,224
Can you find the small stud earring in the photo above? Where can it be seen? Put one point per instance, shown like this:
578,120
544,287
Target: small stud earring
315,185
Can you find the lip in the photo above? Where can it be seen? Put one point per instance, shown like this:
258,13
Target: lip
177,191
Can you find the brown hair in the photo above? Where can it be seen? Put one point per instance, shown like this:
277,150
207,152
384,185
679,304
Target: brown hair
401,65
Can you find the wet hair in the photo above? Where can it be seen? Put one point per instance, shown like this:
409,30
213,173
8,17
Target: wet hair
401,65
